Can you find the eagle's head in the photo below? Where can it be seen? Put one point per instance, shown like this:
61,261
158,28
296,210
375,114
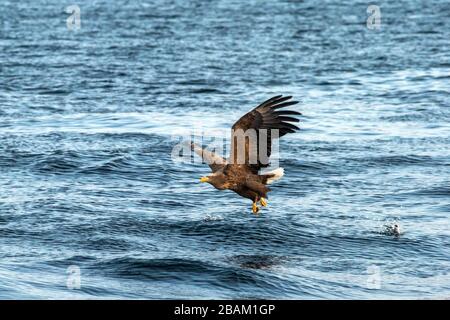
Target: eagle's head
218,180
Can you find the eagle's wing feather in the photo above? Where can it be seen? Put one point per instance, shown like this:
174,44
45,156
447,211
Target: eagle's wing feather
214,161
265,116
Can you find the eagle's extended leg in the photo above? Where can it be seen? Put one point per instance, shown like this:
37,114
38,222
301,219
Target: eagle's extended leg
255,207
263,202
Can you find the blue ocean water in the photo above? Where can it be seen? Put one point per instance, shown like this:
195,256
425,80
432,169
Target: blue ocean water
87,125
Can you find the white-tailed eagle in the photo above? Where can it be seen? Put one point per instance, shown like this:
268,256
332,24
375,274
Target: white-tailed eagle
251,146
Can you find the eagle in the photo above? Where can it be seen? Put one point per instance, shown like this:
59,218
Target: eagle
251,146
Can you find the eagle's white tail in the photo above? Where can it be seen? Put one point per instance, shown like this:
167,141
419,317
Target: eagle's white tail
274,175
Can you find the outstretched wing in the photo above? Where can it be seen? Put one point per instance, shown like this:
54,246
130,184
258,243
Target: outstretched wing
267,122
214,161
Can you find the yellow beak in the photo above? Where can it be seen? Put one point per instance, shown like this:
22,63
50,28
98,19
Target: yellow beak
204,179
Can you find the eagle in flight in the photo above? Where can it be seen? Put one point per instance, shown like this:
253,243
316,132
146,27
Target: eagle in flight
251,145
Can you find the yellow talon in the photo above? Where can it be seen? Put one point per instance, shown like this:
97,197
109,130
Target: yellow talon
263,202
255,208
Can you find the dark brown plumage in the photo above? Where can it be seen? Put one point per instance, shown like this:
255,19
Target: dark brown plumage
251,147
